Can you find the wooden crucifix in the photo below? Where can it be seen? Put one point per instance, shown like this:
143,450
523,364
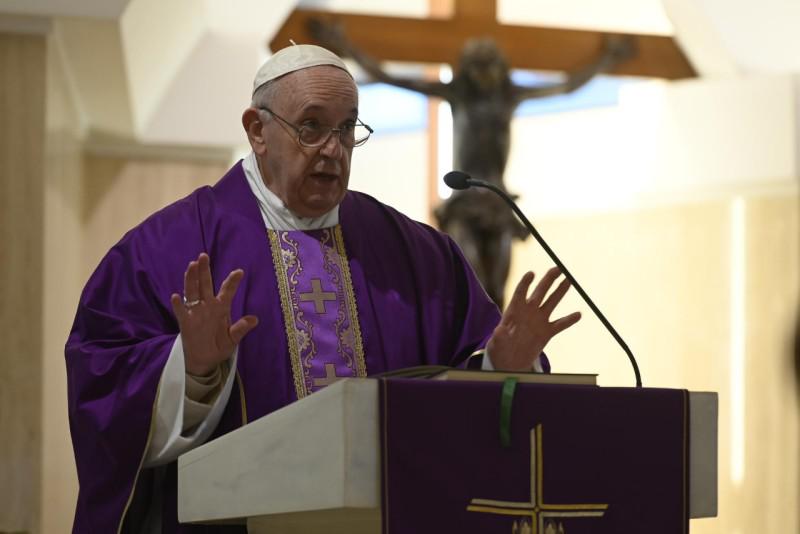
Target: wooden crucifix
440,40
482,95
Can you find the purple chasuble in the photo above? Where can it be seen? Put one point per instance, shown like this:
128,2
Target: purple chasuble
416,301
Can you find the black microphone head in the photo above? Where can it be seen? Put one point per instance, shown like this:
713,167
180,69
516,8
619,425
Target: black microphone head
457,180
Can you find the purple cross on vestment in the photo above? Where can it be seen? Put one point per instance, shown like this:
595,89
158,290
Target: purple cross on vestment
319,307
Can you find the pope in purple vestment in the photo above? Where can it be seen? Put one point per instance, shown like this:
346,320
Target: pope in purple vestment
418,303
371,292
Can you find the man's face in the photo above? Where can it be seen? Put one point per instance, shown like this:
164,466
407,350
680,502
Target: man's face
309,181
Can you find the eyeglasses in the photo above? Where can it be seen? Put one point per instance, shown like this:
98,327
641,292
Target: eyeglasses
314,135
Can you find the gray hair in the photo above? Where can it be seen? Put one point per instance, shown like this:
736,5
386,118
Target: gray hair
265,94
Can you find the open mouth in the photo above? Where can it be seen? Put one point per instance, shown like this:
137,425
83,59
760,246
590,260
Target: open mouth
324,176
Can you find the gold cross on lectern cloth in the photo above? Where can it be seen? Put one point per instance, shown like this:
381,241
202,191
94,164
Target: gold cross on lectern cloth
536,509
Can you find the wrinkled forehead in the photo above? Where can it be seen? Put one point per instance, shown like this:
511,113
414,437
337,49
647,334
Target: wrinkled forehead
324,85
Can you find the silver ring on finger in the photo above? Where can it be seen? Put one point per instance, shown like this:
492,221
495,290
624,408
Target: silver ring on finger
190,303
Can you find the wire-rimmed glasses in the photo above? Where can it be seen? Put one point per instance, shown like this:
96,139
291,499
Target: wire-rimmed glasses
314,135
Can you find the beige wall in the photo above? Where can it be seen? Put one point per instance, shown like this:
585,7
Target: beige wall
60,210
22,67
91,202
394,169
61,273
668,278
120,192
680,217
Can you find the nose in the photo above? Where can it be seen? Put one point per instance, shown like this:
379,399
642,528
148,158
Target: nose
332,149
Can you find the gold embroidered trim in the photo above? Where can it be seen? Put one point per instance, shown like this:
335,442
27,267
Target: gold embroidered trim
385,450
332,263
352,308
500,504
288,315
539,500
141,461
306,346
499,511
581,507
242,400
489,503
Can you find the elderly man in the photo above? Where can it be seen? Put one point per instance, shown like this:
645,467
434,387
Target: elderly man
292,282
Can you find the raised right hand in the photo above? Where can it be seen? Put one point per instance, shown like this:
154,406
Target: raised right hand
205,319
525,327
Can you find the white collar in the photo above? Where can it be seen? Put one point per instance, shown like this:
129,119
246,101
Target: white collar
274,212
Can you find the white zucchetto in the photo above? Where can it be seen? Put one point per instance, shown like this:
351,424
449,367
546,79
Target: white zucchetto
296,57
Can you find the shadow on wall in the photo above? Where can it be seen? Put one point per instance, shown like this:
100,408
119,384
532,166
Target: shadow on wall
796,351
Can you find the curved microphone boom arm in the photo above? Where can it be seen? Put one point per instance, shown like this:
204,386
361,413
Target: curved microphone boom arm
462,180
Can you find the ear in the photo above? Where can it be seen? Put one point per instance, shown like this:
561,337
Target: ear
254,126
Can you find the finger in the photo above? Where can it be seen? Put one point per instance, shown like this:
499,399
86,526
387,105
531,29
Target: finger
230,286
544,286
521,291
191,290
565,322
206,284
241,327
555,297
178,308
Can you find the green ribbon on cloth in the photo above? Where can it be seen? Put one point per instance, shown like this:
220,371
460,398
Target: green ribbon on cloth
506,401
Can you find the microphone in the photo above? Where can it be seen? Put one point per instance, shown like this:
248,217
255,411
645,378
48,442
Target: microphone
457,180
461,180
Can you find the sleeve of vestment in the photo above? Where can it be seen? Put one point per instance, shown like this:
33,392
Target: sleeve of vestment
119,345
179,422
538,363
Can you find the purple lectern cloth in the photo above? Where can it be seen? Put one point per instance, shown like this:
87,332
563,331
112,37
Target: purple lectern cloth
418,303
623,447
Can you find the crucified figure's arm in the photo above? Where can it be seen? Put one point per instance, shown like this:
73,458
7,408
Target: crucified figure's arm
617,49
332,37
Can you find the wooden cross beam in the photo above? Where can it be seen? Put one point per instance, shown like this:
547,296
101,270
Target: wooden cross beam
439,40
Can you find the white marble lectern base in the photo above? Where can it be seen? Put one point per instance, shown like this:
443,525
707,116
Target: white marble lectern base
313,466
341,521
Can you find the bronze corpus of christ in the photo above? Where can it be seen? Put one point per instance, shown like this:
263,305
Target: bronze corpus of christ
482,98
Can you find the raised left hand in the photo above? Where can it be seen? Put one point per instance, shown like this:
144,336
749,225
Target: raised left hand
208,336
525,327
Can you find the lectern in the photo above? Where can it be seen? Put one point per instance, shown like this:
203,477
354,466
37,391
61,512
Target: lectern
399,455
